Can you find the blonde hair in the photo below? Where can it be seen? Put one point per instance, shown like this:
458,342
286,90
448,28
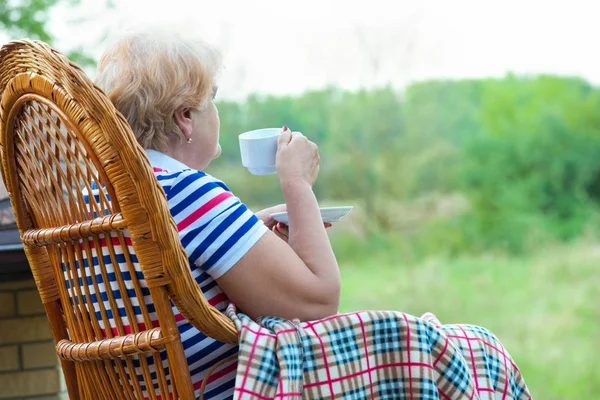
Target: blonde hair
149,74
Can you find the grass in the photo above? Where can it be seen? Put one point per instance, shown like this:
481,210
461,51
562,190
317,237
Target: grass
544,307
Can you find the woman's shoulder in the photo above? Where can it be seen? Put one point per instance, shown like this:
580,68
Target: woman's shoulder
188,179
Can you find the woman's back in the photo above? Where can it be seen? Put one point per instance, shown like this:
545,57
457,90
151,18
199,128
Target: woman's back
216,230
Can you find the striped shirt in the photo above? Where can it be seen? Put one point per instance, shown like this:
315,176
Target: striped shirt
216,231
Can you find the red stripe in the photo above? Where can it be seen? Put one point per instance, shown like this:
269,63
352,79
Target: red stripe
218,298
368,371
472,359
506,379
253,395
218,374
128,330
409,351
179,317
114,240
250,359
212,203
159,397
221,297
487,344
324,362
155,169
441,354
310,324
213,377
280,389
259,332
362,328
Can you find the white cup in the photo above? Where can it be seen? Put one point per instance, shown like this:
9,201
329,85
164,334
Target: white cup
258,149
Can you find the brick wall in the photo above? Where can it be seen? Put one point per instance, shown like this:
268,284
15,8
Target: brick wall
29,368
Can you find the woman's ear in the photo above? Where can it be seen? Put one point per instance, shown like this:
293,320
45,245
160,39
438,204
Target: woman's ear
183,119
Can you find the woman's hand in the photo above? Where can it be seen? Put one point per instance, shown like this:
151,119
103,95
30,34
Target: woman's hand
278,228
297,158
283,231
265,215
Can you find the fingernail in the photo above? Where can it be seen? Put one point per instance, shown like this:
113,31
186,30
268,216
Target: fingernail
285,128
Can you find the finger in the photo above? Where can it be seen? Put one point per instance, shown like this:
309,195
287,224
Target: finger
297,135
276,232
270,223
328,224
315,148
283,229
280,208
284,138
281,235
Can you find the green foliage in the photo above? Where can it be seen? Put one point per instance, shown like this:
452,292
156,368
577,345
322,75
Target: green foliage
29,19
357,133
448,166
440,116
536,165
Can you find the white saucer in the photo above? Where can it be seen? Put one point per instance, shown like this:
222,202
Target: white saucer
328,214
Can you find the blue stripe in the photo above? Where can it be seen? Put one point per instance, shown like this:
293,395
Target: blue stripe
230,242
95,214
117,294
190,235
163,356
86,198
206,366
163,176
194,196
150,360
185,182
214,346
226,386
112,277
208,286
198,337
214,235
183,328
121,312
119,256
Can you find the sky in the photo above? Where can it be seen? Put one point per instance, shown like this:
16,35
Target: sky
286,47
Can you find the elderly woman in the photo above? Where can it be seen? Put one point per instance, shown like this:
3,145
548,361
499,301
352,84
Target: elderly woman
165,86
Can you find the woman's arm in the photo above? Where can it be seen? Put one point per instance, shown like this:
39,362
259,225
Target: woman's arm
296,280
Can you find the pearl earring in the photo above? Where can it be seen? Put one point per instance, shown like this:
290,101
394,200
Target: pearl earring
189,140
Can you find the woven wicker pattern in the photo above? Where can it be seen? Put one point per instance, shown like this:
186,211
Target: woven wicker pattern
60,138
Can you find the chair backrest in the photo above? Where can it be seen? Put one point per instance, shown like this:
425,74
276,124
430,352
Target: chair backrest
96,228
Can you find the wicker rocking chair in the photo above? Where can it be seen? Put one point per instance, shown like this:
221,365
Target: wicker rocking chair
60,139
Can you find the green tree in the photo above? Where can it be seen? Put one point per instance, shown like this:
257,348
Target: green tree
535,169
29,18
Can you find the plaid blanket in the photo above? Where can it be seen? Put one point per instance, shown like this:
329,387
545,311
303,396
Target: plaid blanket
372,355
